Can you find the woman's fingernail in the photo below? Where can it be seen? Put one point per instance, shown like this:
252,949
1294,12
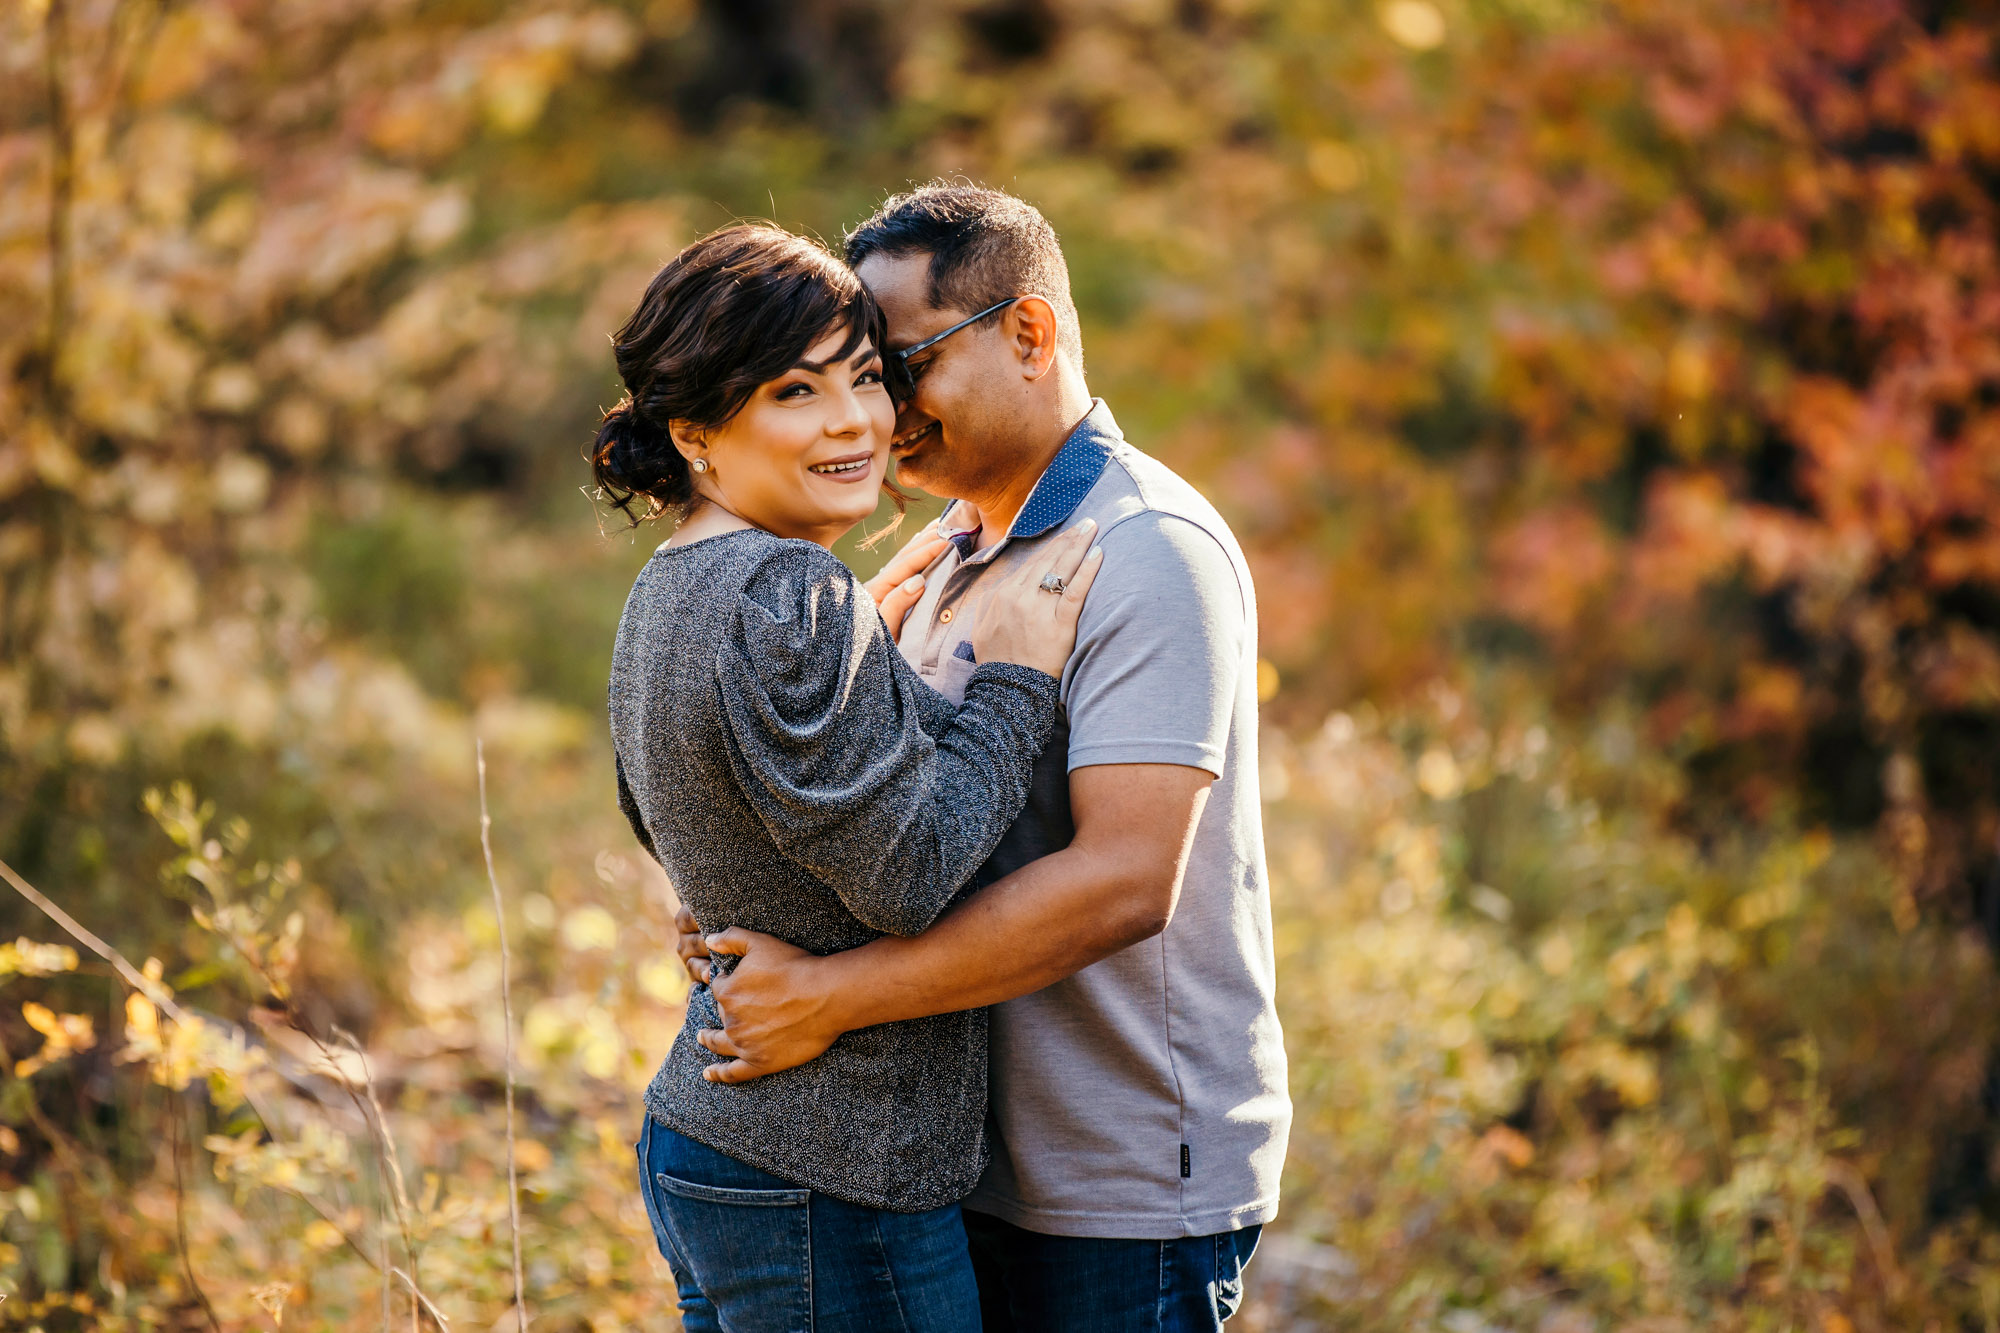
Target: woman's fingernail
914,583
1094,553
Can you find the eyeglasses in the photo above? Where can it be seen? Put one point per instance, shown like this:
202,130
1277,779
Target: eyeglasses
896,372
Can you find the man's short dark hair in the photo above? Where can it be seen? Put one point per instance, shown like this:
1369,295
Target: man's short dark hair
985,246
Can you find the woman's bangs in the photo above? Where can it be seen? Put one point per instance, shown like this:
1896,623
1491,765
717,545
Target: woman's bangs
859,316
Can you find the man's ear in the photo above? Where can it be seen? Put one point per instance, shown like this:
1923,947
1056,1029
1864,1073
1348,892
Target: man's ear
1032,326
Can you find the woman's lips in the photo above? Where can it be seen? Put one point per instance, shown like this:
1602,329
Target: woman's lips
854,467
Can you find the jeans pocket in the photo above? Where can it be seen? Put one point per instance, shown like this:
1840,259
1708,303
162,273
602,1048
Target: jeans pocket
1232,1255
748,1250
660,1236
1228,1278
688,1189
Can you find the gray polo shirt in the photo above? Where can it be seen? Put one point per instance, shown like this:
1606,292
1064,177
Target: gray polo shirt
1144,1097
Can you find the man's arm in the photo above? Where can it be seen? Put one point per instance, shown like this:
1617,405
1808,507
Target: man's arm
1151,692
1113,886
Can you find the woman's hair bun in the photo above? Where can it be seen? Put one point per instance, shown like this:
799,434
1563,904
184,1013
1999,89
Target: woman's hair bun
639,472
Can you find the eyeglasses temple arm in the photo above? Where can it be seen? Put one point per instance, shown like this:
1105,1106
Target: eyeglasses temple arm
935,338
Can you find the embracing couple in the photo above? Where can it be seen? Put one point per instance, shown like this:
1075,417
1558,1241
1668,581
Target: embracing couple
970,856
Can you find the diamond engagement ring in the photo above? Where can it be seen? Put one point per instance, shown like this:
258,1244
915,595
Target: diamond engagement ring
1053,582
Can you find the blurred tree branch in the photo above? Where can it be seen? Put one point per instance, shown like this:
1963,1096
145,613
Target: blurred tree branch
62,191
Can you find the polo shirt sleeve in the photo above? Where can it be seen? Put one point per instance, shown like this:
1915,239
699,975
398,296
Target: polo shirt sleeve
1160,649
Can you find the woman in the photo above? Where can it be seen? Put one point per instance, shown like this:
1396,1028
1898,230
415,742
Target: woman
793,776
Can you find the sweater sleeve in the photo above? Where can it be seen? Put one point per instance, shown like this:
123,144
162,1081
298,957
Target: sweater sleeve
826,734
935,711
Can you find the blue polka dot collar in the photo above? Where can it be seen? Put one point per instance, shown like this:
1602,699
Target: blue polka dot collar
1067,479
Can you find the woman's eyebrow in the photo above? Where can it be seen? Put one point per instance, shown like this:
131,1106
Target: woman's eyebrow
862,357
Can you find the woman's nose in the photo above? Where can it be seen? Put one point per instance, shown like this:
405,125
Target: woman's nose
850,415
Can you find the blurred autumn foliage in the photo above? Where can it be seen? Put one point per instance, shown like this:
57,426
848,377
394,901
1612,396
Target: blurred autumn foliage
1608,395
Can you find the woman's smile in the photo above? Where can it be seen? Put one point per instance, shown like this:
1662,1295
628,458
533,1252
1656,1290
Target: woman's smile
847,468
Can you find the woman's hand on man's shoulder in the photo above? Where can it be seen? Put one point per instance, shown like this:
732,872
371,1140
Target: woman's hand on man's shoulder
900,583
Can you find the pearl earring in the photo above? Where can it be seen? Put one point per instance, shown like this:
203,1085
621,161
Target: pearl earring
699,465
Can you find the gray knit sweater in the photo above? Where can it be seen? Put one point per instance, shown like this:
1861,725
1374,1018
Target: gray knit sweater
793,776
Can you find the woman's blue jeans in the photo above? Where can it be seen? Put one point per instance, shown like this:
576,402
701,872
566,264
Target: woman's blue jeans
754,1253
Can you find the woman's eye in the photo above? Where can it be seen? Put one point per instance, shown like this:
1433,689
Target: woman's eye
869,377
793,391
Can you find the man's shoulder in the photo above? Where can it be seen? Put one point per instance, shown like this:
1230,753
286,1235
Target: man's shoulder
1136,483
1163,541
1141,501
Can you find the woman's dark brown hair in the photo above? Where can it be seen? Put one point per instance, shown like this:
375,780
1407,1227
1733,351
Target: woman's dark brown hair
734,310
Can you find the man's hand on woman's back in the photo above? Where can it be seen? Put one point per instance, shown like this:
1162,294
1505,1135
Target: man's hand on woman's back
691,946
775,1014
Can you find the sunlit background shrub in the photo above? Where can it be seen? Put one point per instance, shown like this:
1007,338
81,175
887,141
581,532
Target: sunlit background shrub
1608,395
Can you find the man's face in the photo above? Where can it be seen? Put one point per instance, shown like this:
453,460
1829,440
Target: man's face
953,437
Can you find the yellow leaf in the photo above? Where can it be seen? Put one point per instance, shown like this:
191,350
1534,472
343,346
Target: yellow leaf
665,980
1417,24
33,959
1267,681
141,1018
1334,166
590,928
516,88
1556,954
64,1033
1438,775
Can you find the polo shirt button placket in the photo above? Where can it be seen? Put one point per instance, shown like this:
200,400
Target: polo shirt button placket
934,639
940,623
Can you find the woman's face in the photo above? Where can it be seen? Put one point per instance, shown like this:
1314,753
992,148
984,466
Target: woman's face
807,455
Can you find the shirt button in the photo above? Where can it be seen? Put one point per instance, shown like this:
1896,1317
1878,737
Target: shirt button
944,616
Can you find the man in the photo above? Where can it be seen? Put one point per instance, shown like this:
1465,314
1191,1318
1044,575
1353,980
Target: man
1138,1074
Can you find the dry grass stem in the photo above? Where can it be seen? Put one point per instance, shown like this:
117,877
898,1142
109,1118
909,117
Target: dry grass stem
1855,1186
178,1147
417,1298
507,1018
382,1230
385,1146
136,979
165,1003
62,192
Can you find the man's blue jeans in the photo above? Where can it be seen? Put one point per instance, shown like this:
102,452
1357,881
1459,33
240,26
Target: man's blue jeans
758,1254
1032,1283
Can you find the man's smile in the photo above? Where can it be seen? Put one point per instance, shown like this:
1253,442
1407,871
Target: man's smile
909,440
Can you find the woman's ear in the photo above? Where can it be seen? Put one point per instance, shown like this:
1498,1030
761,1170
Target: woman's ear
690,443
